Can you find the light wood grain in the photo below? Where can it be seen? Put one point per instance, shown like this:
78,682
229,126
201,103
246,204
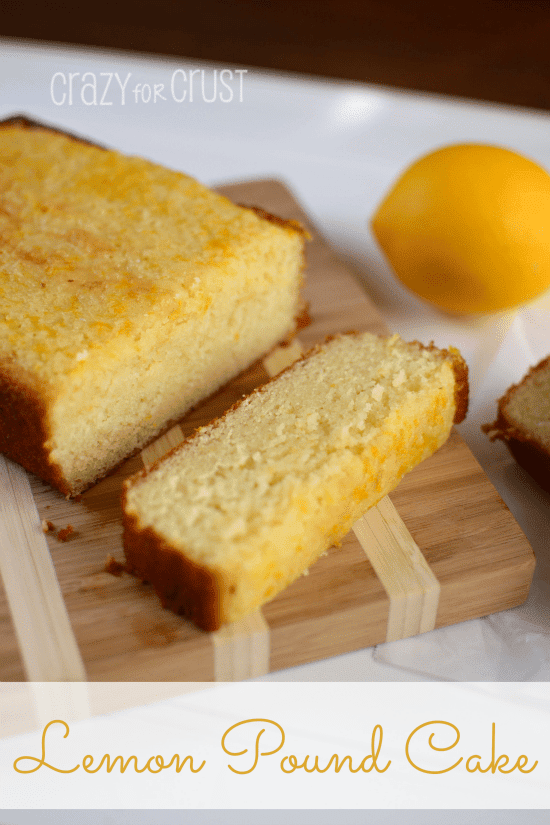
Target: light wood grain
471,542
241,649
48,648
411,586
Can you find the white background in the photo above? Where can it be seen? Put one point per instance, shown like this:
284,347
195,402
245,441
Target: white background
317,719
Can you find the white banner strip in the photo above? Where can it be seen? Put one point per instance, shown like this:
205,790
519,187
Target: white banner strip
292,745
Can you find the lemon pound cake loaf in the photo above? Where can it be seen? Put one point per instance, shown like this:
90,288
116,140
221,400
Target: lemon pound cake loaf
128,292
249,502
523,422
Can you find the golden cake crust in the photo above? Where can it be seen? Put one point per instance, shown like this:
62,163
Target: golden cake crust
182,586
23,430
23,122
24,427
118,238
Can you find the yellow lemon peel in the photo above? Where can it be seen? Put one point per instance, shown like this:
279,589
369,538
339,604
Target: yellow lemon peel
467,228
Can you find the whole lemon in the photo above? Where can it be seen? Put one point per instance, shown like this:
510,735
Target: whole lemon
467,228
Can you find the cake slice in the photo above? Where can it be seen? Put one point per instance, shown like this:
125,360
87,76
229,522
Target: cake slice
523,422
128,293
243,507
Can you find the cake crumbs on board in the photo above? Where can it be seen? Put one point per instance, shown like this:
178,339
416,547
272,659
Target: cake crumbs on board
114,567
62,535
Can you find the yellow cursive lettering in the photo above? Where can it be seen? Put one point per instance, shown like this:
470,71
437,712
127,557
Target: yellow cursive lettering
111,763
376,743
474,763
155,764
434,747
522,762
376,747
257,753
42,761
498,763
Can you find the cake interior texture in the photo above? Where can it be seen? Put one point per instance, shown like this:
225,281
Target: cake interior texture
527,408
247,504
523,422
128,292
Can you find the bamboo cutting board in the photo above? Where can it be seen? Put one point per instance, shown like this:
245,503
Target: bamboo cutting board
469,539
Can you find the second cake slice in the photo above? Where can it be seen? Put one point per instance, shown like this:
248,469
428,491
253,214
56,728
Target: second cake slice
247,504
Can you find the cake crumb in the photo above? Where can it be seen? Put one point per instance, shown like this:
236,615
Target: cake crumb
399,379
63,535
47,526
114,567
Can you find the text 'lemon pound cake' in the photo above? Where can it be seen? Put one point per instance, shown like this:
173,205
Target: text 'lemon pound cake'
523,422
244,506
128,292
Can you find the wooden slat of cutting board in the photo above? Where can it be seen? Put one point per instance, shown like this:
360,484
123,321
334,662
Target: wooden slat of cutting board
467,534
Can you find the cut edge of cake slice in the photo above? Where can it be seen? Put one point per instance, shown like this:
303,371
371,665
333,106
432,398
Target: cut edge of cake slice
213,550
523,422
